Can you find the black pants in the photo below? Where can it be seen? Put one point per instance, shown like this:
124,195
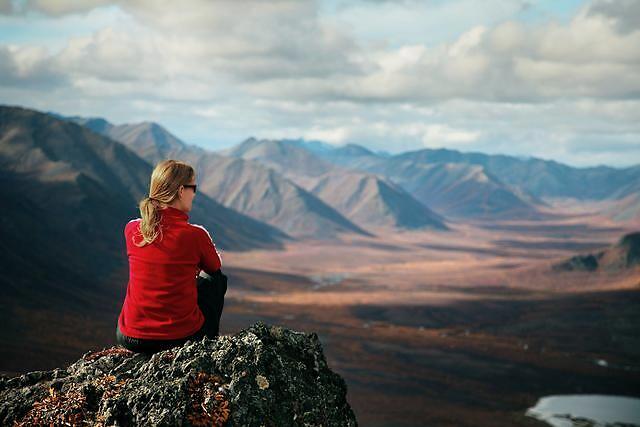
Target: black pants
211,291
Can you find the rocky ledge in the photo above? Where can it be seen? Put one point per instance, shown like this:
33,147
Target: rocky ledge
262,376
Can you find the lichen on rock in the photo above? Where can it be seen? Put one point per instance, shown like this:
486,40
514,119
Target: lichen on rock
262,375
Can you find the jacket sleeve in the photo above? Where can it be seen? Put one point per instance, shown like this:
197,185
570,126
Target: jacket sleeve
209,255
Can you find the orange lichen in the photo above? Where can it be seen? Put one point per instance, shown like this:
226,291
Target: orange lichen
111,387
210,406
67,408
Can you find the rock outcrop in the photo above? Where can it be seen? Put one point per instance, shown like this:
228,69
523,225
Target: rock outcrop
622,255
262,376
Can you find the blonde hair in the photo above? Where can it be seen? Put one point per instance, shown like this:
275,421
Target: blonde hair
166,179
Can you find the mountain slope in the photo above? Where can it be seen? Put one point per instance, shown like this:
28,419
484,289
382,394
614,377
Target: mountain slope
625,209
264,194
364,198
367,199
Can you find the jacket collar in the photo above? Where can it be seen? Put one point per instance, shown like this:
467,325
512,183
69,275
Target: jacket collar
172,214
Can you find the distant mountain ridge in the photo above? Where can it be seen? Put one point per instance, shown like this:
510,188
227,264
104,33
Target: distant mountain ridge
536,176
530,180
470,186
462,191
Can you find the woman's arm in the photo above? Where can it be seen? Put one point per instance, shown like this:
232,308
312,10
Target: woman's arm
209,257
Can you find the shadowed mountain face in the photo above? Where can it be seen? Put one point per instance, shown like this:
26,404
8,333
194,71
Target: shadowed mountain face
366,199
241,185
80,187
622,255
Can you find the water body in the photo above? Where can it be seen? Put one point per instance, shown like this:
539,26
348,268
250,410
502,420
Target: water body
320,281
587,410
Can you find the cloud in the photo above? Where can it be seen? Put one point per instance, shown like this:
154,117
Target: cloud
217,71
28,68
625,13
511,62
112,56
285,50
438,135
6,7
54,8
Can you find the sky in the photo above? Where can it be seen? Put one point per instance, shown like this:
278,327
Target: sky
550,79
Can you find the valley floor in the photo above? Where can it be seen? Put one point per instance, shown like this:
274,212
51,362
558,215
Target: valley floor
460,328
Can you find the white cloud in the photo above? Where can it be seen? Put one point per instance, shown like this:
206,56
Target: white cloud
28,68
336,136
439,135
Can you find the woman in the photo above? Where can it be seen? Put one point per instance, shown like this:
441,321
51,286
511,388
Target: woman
176,289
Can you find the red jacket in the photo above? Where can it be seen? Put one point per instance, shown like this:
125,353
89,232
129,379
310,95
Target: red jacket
162,298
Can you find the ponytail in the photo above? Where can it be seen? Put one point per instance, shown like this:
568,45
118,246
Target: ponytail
150,224
166,179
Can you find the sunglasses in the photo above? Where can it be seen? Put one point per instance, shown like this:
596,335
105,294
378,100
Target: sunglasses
194,186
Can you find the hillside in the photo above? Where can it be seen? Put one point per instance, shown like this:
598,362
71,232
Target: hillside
624,254
367,199
287,159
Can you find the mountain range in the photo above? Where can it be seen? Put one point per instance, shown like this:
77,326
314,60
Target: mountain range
524,183
363,189
395,184
78,181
